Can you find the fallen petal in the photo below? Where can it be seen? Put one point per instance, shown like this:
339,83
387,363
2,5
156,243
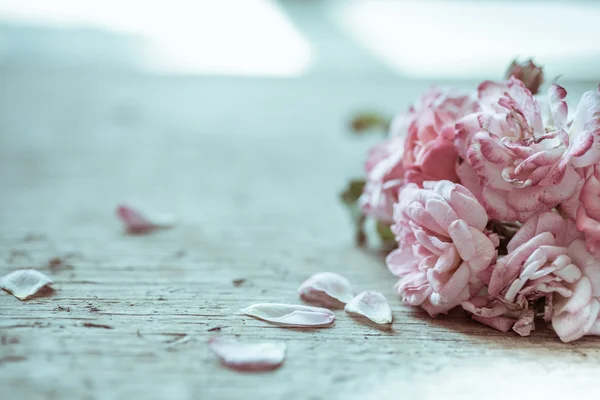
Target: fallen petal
24,283
248,356
327,289
138,218
372,305
290,314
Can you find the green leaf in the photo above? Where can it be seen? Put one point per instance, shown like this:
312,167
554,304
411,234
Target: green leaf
384,232
353,190
369,121
387,237
350,197
360,236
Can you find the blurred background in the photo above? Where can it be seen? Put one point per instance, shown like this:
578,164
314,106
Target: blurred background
298,38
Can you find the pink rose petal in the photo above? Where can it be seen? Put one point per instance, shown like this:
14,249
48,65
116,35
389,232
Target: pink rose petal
372,305
139,218
572,326
558,107
248,356
290,314
24,283
326,288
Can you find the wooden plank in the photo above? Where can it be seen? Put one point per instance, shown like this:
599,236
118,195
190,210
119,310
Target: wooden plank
252,169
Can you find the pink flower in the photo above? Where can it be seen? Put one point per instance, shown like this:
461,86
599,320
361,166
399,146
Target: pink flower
421,147
537,265
568,278
443,245
429,152
385,176
516,167
576,315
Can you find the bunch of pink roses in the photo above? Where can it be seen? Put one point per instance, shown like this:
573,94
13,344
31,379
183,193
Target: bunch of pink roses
493,198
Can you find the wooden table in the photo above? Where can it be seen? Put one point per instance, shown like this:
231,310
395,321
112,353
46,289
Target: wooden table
252,168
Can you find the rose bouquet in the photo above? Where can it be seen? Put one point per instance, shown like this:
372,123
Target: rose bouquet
492,201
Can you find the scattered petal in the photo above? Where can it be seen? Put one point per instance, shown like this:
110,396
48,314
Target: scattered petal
248,356
24,283
139,218
372,305
290,314
327,289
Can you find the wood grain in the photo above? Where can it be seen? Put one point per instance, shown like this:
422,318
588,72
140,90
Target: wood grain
252,169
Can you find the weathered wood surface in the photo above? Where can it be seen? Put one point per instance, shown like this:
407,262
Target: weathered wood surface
252,169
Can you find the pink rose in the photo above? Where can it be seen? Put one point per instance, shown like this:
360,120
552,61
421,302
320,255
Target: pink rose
510,162
568,278
385,176
537,266
442,245
429,152
576,315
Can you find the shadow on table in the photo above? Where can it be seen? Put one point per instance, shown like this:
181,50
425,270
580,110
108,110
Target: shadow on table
543,337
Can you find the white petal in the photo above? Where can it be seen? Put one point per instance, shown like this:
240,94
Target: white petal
248,356
290,315
138,217
24,283
326,288
372,305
